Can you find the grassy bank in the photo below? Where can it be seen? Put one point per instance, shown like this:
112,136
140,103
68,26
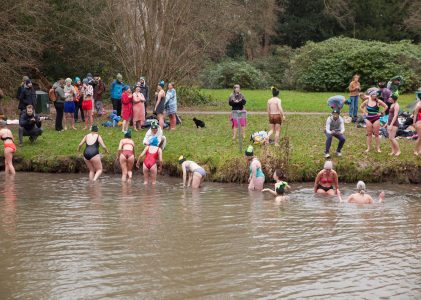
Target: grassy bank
301,155
291,100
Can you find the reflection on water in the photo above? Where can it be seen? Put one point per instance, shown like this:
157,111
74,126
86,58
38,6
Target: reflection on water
62,237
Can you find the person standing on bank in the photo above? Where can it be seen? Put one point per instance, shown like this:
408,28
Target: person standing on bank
171,105
87,92
78,100
144,89
59,103
335,127
127,107
276,115
99,89
138,108
116,91
160,103
354,90
237,102
27,96
69,104
417,125
393,125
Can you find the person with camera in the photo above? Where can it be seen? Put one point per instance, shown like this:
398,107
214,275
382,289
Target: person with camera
334,128
27,96
29,125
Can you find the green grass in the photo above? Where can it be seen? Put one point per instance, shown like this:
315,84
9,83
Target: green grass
292,101
213,147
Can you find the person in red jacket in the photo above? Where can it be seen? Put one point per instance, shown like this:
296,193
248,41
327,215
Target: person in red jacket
127,107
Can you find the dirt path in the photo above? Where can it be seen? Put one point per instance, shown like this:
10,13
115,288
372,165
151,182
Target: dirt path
219,112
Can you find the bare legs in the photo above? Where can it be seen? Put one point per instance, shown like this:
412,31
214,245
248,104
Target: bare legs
417,150
330,192
394,143
277,129
197,180
234,132
161,120
8,161
70,116
88,118
373,128
95,167
150,174
126,167
125,126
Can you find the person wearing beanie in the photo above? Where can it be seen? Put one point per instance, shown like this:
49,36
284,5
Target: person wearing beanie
20,89
78,100
335,128
193,174
138,108
371,110
256,177
91,154
127,107
171,105
87,103
27,95
126,156
155,130
361,197
116,91
160,103
327,181
276,115
99,90
237,101
59,103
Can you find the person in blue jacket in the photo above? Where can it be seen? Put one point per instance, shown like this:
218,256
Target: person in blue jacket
116,90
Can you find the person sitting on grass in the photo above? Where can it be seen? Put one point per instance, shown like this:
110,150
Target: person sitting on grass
29,125
155,130
153,157
281,187
327,180
276,115
334,128
196,174
361,197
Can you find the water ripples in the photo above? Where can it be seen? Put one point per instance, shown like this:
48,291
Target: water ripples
63,237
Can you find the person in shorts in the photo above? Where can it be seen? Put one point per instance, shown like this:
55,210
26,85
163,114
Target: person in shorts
276,115
237,102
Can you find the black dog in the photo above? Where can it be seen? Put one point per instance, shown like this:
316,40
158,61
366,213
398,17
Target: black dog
199,123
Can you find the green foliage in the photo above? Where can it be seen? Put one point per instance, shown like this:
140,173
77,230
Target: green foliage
275,64
329,65
187,96
230,72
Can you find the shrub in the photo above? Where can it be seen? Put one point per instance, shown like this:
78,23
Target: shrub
329,65
191,96
275,65
230,72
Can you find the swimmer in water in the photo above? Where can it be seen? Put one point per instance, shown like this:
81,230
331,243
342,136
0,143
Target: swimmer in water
280,187
361,197
153,157
327,180
91,153
126,156
195,173
9,148
257,177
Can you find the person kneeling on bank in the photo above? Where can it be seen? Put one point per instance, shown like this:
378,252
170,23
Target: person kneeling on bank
29,125
334,128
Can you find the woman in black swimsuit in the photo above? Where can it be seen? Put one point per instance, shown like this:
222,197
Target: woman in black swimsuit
91,153
160,103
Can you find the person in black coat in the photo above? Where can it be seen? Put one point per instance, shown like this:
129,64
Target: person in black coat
27,96
29,125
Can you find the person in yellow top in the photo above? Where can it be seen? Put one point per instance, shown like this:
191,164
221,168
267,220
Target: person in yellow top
354,90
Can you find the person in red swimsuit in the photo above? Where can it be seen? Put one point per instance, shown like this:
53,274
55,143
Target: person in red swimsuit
417,125
9,148
327,180
153,156
126,156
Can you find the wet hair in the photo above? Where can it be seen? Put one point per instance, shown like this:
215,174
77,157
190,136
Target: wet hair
275,92
328,165
361,187
394,97
279,173
94,128
128,134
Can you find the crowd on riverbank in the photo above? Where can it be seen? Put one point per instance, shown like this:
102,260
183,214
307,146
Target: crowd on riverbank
153,153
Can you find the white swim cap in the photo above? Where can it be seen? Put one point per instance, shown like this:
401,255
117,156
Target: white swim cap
360,186
328,165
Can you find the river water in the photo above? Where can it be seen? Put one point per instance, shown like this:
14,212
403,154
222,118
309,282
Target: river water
64,238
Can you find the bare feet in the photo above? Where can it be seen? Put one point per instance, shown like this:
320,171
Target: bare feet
65,128
145,183
416,153
397,153
368,150
379,151
277,145
74,128
391,153
85,128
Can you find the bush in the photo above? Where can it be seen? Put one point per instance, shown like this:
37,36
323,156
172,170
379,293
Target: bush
275,65
230,72
187,96
329,65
